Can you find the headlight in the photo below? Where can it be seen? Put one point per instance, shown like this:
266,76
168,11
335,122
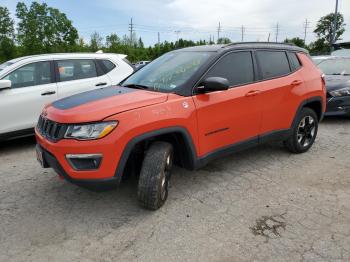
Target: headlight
341,92
90,131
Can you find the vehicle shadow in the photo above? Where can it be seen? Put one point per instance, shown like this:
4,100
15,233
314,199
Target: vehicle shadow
17,144
57,210
335,120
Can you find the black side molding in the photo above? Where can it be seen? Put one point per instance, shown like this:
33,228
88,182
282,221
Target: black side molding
170,130
308,101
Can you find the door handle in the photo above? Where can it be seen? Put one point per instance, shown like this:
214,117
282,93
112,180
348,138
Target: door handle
253,93
48,93
296,82
101,84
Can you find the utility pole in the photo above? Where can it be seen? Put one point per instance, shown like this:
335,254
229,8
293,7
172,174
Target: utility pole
210,40
268,38
334,33
158,38
306,26
131,29
277,31
242,32
219,30
177,32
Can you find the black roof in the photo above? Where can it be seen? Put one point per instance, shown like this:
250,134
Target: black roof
246,45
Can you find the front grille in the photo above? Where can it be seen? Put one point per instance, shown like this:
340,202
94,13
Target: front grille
50,129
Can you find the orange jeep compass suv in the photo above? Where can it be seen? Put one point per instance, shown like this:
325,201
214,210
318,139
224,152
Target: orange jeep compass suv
187,107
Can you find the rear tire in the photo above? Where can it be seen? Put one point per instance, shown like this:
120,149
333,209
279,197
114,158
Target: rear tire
155,175
304,132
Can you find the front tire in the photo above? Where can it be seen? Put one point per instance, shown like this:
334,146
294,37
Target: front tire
155,175
304,132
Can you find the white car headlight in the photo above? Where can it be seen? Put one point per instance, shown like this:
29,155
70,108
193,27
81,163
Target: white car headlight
341,92
90,131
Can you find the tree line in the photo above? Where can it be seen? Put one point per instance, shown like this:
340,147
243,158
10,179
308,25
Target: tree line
43,29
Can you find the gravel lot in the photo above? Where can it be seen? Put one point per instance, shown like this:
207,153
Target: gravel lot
263,204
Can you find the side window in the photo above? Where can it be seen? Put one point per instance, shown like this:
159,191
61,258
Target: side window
236,67
294,60
76,69
33,74
106,66
273,63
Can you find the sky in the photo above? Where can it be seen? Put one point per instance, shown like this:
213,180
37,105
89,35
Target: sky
197,19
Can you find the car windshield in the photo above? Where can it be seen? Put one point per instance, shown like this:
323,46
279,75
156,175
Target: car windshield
339,66
168,72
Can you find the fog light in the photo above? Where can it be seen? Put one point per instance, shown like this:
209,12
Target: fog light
84,161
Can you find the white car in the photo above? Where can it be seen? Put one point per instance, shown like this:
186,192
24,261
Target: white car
27,84
141,63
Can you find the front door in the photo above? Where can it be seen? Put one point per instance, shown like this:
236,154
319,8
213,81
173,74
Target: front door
32,88
229,117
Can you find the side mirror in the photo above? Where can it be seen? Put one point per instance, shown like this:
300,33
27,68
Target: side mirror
212,84
4,84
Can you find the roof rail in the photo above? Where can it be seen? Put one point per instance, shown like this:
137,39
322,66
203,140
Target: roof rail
270,43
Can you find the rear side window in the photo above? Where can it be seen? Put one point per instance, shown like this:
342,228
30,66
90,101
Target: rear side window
76,69
106,65
236,67
273,63
294,61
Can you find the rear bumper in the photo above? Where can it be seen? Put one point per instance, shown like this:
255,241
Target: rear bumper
338,106
54,155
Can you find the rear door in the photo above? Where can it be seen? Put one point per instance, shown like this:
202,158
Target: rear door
33,86
278,90
79,75
232,116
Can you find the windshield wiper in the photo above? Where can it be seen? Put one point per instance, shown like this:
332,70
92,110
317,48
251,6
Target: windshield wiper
137,86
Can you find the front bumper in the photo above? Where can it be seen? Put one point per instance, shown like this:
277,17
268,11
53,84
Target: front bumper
338,106
54,155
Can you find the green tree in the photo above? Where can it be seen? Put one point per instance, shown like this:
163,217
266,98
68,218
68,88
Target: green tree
296,41
7,33
96,42
43,29
140,43
324,28
319,47
224,40
113,41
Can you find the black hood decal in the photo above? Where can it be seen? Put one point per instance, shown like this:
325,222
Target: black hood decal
90,96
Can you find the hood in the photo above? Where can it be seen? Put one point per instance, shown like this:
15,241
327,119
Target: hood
98,104
336,82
